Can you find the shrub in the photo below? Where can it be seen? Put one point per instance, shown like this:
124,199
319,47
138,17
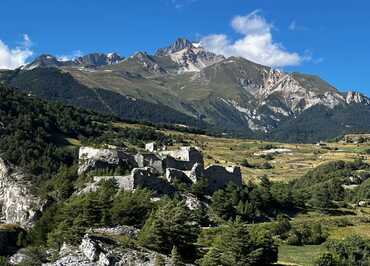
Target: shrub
306,235
352,250
327,259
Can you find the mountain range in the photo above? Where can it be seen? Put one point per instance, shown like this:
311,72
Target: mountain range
187,85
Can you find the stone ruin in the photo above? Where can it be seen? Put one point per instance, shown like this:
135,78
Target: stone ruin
156,170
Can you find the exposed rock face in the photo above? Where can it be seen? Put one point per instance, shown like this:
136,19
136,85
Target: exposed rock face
98,59
44,61
98,251
190,57
192,202
120,230
89,60
178,45
18,204
19,257
356,97
93,159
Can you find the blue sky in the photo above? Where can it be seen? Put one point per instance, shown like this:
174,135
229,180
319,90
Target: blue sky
325,38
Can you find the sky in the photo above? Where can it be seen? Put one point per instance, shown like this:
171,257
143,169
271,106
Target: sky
330,39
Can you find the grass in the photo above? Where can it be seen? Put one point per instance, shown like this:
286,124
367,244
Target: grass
299,255
288,166
340,233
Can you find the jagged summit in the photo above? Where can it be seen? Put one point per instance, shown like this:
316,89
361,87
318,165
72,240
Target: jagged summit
44,60
89,60
356,97
178,45
98,59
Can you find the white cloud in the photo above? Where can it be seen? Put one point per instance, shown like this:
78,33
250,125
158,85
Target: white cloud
256,44
11,58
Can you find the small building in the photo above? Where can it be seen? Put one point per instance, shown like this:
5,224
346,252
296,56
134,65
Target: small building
151,147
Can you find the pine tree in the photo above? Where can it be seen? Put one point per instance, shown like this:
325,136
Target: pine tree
175,257
170,225
237,245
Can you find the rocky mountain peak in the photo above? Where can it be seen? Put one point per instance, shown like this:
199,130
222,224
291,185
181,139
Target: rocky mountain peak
114,58
148,63
89,60
44,60
356,97
98,59
178,45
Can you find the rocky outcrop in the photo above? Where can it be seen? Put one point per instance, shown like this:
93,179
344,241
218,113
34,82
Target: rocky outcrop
19,205
120,230
21,256
99,251
356,97
95,159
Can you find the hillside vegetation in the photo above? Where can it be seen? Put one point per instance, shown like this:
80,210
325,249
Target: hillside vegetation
300,203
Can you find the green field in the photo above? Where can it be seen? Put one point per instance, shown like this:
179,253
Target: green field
299,255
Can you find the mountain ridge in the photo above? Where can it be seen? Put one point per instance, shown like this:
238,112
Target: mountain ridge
233,94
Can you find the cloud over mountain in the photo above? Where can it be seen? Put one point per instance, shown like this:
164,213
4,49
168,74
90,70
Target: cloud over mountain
256,43
11,58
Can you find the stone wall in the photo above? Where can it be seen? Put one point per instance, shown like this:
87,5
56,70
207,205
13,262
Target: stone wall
183,159
150,160
147,178
219,176
185,165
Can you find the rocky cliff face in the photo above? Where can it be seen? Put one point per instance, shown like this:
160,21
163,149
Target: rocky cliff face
104,252
356,97
18,204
